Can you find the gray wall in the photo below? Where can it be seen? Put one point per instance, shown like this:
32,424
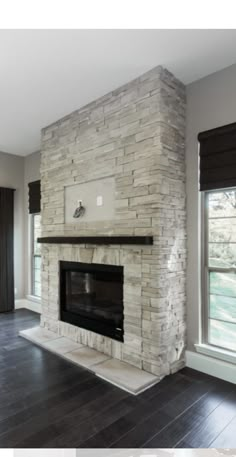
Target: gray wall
31,173
211,102
12,175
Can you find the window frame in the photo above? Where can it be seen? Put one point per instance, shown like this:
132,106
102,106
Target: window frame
205,270
33,255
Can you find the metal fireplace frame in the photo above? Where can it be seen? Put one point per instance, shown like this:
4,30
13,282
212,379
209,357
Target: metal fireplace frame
94,325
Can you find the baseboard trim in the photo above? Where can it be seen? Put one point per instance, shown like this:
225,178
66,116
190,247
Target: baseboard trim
213,367
24,303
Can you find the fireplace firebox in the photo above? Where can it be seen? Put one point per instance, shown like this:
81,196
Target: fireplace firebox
91,297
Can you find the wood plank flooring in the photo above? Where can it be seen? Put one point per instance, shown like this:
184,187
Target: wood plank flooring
46,401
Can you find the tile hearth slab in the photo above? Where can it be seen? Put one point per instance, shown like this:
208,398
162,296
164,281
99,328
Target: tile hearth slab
39,335
121,374
62,345
49,340
87,357
126,376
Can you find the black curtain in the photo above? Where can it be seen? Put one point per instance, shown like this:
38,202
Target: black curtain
218,158
6,250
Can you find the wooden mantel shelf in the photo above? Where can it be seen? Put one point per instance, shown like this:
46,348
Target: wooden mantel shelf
144,240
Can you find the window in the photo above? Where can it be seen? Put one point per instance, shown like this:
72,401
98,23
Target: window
220,268
36,255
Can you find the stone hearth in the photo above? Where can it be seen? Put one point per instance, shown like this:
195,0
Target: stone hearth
136,136
119,373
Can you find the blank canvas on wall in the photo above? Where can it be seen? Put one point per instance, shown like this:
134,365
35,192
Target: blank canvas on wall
97,197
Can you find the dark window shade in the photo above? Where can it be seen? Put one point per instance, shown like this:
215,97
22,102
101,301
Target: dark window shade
34,197
218,158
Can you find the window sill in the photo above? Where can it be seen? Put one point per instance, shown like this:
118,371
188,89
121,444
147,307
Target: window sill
217,353
33,298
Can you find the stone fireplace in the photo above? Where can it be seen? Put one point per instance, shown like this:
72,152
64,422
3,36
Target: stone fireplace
131,140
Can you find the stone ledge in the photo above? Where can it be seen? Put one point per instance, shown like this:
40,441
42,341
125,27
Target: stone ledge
121,374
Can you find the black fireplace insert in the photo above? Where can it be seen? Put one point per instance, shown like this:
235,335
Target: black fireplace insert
91,297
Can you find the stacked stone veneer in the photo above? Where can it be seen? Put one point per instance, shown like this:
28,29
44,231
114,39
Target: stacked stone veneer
136,134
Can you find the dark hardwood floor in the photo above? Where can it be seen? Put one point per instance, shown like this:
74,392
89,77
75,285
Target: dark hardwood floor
46,401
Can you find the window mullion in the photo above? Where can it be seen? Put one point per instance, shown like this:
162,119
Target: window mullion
222,269
207,272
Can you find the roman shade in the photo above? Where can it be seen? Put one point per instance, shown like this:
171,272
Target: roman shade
218,158
34,197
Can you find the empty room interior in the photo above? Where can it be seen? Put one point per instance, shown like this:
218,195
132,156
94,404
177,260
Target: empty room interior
118,239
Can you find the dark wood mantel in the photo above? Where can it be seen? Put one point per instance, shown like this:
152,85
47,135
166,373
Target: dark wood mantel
143,240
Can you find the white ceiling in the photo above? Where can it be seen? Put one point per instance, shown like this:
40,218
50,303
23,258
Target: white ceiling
46,74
